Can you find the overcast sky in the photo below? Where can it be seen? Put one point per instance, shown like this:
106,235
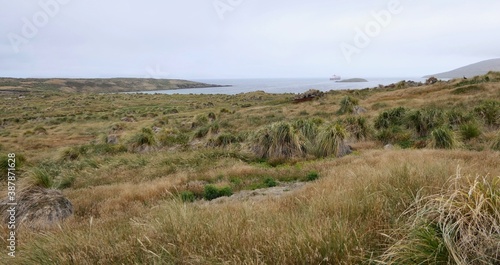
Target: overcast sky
199,39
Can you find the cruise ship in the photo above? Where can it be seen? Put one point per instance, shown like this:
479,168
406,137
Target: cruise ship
335,78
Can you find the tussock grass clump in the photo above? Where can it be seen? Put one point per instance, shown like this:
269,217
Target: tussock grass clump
495,145
330,141
212,116
470,131
392,117
6,162
201,132
48,175
167,138
444,138
199,120
459,226
347,105
393,134
489,111
278,141
456,117
42,177
40,130
308,128
357,127
143,140
283,140
426,120
73,153
77,152
225,139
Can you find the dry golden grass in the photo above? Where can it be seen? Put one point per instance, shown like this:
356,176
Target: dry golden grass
337,220
127,205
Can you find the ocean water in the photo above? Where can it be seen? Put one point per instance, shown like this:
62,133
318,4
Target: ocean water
279,85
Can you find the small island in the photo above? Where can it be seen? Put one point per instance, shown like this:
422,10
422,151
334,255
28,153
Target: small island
353,80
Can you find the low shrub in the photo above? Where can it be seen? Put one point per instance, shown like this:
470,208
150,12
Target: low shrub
270,182
312,176
212,192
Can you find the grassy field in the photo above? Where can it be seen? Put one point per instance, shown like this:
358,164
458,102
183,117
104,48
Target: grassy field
149,176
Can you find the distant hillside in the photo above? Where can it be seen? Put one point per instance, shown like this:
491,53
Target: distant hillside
480,68
109,85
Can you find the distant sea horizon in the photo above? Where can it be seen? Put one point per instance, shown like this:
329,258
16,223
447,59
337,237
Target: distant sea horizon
279,85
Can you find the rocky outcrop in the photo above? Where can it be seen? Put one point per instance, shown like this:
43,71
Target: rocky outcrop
259,194
358,110
112,139
431,80
308,95
128,119
403,84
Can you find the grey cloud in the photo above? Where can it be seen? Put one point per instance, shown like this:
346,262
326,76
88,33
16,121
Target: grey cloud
187,39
